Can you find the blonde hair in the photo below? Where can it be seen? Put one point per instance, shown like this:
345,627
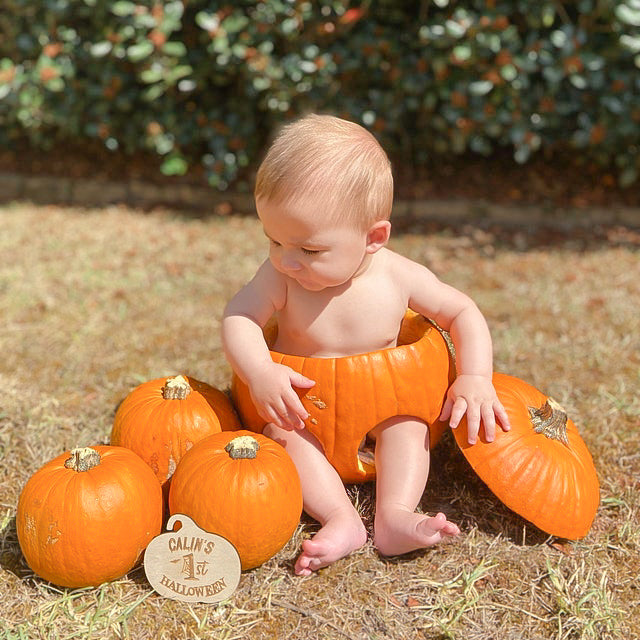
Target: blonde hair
332,159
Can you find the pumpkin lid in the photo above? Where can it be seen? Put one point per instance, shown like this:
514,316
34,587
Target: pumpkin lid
541,468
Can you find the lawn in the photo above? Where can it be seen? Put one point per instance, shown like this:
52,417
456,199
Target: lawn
93,302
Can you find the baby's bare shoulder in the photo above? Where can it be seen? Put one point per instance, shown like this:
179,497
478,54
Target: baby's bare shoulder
268,280
403,268
265,293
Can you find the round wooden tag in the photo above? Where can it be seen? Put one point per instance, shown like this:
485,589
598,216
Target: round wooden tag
190,564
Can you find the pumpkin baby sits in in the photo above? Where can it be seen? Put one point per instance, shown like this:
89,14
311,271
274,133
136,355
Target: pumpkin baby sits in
323,194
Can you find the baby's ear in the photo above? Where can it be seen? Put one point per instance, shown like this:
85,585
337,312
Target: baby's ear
378,235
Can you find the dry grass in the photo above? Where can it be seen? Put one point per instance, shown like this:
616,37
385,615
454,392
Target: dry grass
94,302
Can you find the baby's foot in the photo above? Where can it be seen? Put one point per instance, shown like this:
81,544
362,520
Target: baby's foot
337,539
399,531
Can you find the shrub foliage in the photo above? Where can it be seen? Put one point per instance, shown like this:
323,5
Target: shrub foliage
202,81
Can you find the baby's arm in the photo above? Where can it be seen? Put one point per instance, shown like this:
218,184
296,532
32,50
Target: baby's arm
270,384
472,392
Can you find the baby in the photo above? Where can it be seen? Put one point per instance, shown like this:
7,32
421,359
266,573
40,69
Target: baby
323,194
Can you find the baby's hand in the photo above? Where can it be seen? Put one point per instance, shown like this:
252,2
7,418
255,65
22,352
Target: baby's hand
271,389
475,396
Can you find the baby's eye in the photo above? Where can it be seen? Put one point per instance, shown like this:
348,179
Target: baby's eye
274,243
310,252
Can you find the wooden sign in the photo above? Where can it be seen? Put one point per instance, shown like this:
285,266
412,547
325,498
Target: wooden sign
190,564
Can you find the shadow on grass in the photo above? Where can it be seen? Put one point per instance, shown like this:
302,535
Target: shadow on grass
11,558
470,502
572,234
517,226
454,489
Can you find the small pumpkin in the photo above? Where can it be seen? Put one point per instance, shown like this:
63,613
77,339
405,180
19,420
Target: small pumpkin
242,486
353,394
86,516
541,468
163,418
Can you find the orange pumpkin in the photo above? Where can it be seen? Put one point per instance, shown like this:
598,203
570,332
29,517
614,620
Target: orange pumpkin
541,468
163,418
85,517
355,393
242,486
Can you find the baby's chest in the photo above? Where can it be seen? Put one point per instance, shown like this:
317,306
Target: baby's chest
340,325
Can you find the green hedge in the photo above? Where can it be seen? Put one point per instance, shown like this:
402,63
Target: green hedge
199,81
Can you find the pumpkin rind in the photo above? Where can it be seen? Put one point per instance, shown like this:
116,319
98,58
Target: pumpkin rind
161,430
83,528
254,502
531,469
353,394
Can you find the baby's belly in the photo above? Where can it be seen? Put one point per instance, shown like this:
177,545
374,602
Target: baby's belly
335,348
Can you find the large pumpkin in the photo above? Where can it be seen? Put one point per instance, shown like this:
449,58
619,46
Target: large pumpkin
242,486
163,418
541,468
85,517
353,394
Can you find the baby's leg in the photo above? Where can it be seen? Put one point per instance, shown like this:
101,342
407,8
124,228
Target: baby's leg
402,467
325,500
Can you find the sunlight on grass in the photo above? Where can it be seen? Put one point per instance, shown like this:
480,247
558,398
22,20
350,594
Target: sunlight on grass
582,602
98,301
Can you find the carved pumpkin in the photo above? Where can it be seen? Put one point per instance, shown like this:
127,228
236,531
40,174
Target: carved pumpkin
242,486
163,418
541,468
353,394
85,517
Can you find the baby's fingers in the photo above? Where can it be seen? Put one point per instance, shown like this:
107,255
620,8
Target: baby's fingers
446,410
289,420
502,416
458,410
294,421
473,424
275,417
296,413
278,413
298,380
489,422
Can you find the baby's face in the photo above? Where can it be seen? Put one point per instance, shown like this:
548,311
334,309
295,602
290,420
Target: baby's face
306,247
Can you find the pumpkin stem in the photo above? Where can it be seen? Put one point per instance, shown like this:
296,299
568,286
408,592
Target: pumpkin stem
242,447
82,459
550,420
176,388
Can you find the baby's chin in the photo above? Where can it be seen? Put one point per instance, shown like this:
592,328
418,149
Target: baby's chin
311,286
314,285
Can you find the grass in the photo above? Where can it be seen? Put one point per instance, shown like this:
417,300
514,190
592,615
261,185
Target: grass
94,302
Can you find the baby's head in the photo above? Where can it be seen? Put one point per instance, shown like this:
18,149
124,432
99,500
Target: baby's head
330,160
